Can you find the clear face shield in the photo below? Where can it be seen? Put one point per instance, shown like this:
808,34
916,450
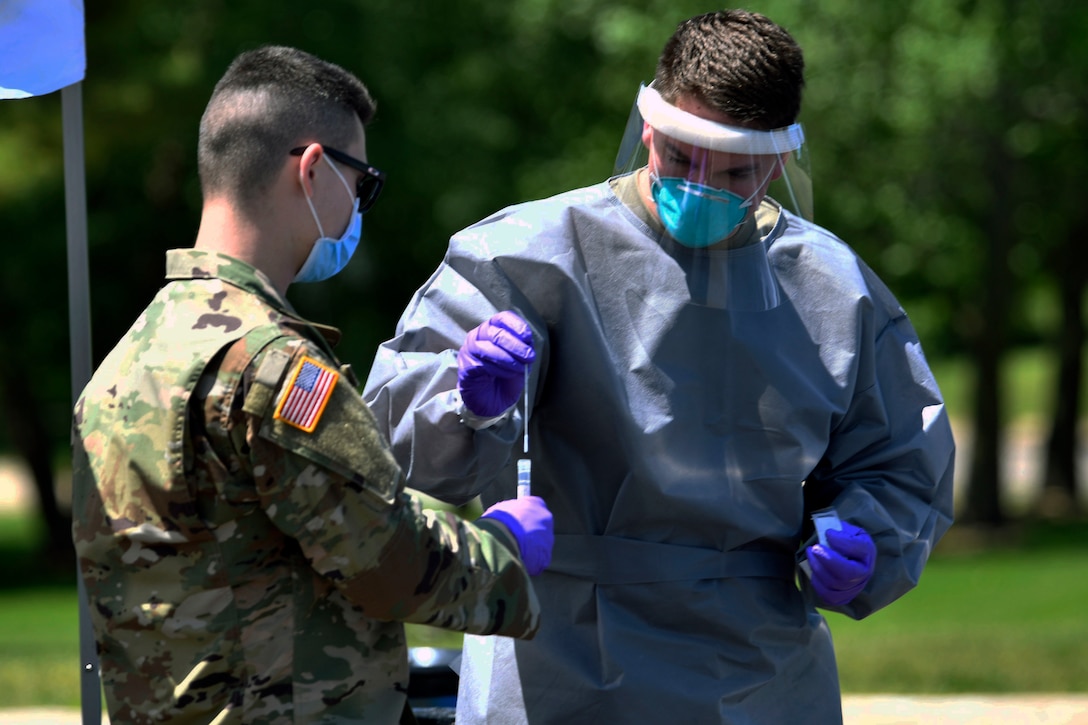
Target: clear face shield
707,178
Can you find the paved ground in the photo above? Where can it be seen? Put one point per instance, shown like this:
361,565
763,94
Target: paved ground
857,710
966,710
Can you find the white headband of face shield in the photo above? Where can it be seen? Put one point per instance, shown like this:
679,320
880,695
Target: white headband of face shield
689,128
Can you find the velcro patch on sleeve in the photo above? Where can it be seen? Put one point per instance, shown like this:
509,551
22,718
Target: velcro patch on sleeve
307,393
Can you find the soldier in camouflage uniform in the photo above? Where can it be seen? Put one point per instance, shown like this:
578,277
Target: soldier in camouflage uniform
248,545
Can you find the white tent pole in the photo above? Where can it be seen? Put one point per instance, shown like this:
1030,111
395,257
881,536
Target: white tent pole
79,328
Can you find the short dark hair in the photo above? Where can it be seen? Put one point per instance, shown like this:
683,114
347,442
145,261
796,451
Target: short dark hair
268,101
738,62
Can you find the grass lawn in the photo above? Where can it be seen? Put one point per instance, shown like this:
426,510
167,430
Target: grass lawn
997,621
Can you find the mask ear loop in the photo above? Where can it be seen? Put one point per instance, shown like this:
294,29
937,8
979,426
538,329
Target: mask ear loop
313,212
763,184
347,187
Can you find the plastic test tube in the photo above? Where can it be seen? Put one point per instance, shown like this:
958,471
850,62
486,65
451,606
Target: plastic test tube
525,465
524,475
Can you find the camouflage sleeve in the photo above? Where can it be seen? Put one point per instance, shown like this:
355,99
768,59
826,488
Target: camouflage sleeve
326,478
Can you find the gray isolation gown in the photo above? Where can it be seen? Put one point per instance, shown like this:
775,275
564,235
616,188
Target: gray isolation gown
689,409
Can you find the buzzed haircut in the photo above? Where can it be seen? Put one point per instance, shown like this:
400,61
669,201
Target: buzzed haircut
737,62
268,101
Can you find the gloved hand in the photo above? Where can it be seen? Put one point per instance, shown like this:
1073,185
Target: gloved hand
491,364
841,569
530,521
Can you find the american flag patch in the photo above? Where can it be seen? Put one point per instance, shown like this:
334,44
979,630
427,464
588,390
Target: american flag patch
307,394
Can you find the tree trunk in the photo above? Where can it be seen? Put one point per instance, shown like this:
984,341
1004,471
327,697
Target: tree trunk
1059,495
983,501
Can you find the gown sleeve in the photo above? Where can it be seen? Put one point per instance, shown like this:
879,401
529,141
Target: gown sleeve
412,386
889,463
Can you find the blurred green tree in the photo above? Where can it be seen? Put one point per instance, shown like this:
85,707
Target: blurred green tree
944,138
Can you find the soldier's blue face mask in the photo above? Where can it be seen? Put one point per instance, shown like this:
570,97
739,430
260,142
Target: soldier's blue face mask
329,256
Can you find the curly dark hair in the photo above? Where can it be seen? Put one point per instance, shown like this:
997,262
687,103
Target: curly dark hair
738,62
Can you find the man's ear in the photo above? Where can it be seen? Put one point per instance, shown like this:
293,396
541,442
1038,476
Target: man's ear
306,164
647,135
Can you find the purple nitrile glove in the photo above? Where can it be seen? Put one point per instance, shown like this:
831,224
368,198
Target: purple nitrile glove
530,521
841,569
491,364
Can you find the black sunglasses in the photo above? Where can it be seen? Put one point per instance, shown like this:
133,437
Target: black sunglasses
367,187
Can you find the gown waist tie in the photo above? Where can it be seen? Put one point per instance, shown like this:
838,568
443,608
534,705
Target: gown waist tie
615,560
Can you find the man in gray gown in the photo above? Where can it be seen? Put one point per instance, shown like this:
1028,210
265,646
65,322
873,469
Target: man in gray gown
729,414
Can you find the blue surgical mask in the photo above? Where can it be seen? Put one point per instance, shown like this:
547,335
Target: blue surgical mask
694,214
328,256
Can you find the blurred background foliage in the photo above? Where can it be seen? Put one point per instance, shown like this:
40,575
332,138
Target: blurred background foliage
943,135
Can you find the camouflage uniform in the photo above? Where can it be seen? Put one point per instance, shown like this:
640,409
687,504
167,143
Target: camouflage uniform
248,545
